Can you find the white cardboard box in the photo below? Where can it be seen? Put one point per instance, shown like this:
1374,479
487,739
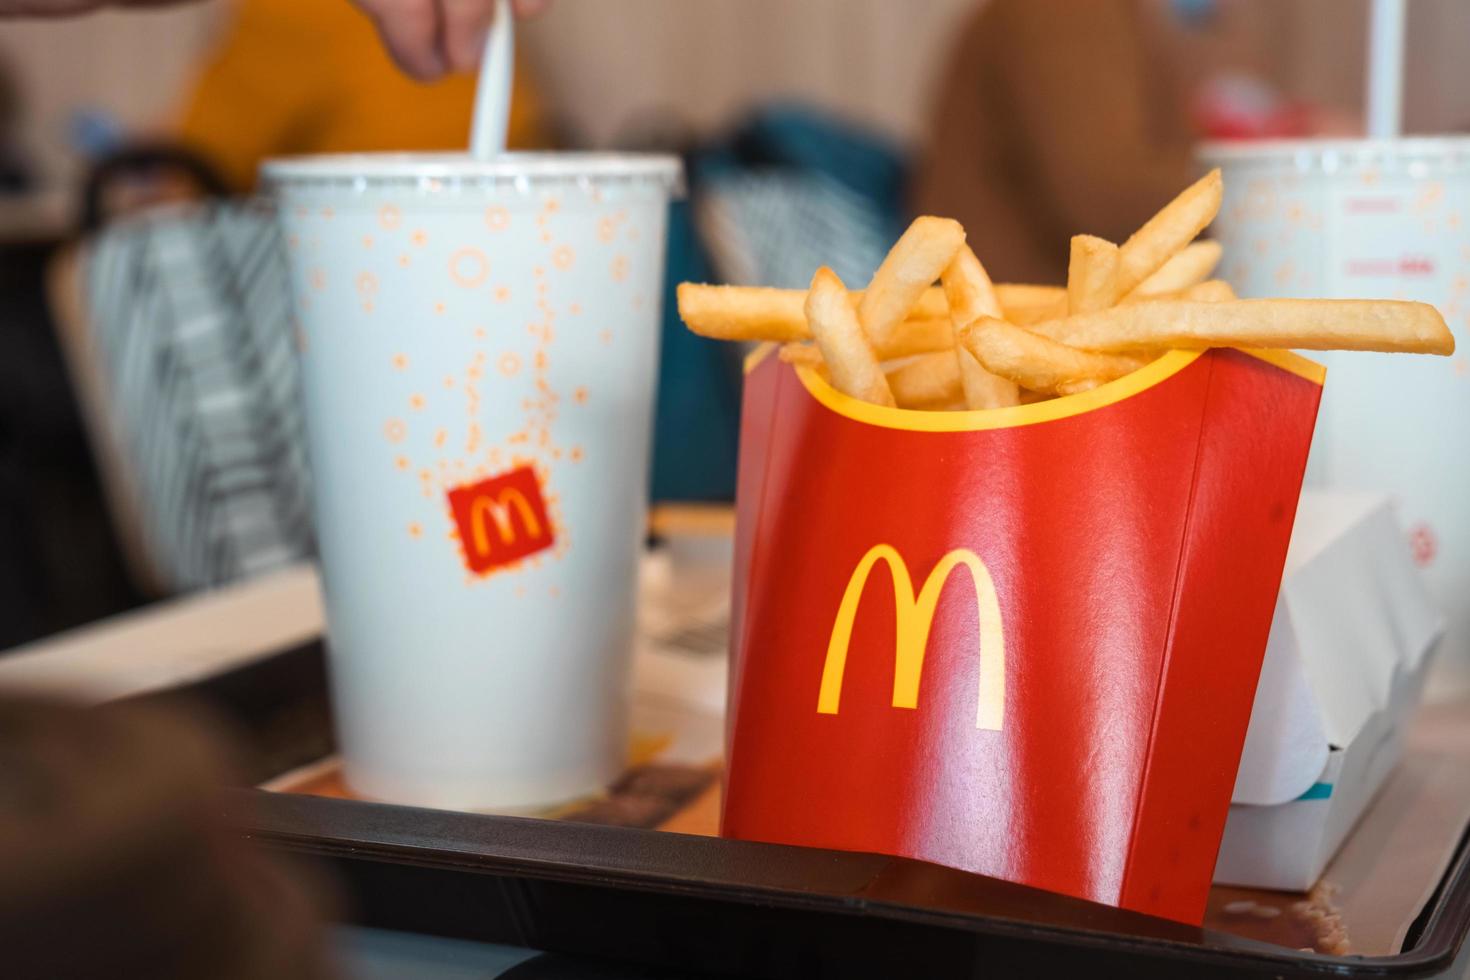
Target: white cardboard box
1349,646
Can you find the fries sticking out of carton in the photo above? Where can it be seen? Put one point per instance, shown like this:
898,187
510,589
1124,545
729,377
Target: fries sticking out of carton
968,343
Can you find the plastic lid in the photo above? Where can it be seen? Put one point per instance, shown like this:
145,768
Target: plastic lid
429,169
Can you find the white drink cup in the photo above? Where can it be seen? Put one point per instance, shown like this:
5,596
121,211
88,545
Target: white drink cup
479,344
1374,219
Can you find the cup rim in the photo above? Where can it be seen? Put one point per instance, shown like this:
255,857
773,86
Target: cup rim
590,167
1265,150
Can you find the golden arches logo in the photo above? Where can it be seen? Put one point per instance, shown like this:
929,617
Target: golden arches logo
497,508
497,501
913,616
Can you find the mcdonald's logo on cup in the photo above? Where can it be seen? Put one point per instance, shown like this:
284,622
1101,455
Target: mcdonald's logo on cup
913,614
501,520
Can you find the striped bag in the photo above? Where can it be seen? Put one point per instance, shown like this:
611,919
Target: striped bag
188,311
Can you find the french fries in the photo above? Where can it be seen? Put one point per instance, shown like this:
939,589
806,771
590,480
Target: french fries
1038,364
971,296
911,267
850,361
927,381
1315,324
1190,266
778,315
743,312
1092,274
802,355
1209,291
759,313
1167,232
973,344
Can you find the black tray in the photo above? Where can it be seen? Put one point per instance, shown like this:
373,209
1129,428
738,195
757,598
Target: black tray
704,905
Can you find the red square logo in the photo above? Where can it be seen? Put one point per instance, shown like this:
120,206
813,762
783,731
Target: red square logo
501,520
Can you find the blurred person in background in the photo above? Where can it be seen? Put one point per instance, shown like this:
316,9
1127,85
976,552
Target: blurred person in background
1056,117
309,76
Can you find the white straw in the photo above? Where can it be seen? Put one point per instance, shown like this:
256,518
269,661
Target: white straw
492,93
1386,69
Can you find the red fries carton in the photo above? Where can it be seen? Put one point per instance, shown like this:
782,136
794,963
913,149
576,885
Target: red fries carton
1021,642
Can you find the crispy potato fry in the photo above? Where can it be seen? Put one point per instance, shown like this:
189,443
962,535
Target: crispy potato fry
931,305
1209,291
1308,324
754,313
913,264
1092,274
1025,316
1040,364
981,388
802,355
1167,232
849,357
765,313
923,381
968,291
1189,267
743,312
917,337
926,381
971,296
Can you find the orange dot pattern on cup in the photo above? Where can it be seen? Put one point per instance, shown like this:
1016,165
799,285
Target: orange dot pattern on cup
462,450
468,267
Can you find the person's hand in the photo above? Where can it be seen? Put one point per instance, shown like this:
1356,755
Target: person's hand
430,38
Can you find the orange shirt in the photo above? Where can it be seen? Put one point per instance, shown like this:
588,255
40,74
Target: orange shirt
310,76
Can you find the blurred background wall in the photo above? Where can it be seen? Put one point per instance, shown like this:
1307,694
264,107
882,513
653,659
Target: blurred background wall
132,65
607,64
